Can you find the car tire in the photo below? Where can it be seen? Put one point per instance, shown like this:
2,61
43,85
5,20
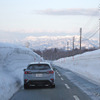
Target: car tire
26,86
53,86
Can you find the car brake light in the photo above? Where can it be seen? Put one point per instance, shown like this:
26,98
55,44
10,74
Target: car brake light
51,72
25,80
52,79
27,72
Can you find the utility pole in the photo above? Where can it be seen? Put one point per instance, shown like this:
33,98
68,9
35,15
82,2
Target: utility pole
67,46
80,38
73,42
99,33
99,25
73,46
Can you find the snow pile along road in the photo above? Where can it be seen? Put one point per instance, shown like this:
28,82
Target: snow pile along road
13,59
87,65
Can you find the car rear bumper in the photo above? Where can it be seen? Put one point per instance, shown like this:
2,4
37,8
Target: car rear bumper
39,82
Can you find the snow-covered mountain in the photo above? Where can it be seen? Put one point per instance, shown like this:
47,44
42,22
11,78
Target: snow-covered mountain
57,42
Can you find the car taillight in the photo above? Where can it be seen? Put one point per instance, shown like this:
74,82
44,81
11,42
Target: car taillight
51,72
27,72
52,79
25,80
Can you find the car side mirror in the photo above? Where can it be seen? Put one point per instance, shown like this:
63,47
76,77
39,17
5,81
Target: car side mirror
24,69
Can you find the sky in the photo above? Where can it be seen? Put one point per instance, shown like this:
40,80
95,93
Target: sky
23,18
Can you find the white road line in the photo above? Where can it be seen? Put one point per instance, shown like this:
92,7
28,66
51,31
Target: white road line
76,97
62,79
67,86
56,71
59,74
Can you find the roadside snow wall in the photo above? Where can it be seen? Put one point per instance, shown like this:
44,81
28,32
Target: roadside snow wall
87,65
13,59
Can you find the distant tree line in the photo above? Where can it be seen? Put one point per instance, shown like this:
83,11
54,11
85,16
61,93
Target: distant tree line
55,53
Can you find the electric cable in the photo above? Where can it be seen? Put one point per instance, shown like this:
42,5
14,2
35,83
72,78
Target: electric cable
91,35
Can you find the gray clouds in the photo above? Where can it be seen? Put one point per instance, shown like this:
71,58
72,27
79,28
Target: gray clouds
86,12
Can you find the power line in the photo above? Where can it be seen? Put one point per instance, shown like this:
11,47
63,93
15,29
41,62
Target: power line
91,35
88,34
90,19
90,22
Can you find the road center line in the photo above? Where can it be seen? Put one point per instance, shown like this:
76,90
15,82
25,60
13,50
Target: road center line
62,79
67,86
59,74
76,97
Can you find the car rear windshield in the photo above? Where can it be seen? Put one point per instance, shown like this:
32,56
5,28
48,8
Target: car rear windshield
38,67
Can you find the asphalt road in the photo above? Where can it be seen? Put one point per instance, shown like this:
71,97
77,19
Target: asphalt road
64,90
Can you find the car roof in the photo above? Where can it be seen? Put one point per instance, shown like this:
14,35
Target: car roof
40,63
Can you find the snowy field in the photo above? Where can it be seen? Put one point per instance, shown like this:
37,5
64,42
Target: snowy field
87,65
13,59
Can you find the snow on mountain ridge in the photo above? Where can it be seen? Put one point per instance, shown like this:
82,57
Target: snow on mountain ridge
57,42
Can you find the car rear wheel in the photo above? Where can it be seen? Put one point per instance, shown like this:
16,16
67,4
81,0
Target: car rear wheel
26,86
52,86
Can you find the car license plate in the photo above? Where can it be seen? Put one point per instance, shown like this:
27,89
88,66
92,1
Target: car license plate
39,75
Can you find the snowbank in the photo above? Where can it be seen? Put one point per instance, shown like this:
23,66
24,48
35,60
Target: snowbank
87,65
13,59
